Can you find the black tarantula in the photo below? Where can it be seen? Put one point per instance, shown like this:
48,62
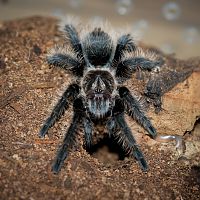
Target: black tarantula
100,65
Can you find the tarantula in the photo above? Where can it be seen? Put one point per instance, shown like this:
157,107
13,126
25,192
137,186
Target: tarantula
100,64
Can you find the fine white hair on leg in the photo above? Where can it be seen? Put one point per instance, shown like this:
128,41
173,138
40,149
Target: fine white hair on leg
69,20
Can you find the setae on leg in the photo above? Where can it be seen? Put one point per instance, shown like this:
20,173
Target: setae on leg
88,127
70,136
119,128
134,109
71,92
124,43
73,38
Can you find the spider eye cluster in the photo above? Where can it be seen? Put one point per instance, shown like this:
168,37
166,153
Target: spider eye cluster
98,90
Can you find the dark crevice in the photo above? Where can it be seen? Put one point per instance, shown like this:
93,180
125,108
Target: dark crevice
195,170
107,150
197,122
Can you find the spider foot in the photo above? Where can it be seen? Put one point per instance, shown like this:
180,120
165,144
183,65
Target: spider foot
59,160
141,160
43,131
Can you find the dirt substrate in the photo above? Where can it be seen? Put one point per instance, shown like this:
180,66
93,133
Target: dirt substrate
28,90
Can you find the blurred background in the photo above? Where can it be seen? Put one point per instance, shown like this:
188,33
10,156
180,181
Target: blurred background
172,26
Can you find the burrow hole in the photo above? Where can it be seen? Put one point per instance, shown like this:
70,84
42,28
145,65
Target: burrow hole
107,150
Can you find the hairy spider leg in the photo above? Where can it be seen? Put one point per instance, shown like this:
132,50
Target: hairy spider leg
124,134
69,95
134,110
74,39
126,67
70,136
88,128
67,62
124,43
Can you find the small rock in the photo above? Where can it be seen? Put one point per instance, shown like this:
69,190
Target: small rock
16,157
2,163
2,64
67,182
37,50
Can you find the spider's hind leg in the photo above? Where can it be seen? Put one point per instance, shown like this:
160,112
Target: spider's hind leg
63,104
70,136
119,128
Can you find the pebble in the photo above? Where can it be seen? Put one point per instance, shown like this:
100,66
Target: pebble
2,163
16,157
67,182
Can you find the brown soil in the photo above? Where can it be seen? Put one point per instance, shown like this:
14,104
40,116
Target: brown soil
28,88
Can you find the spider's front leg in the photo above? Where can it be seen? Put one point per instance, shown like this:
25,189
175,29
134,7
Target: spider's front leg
70,136
118,127
133,108
69,95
